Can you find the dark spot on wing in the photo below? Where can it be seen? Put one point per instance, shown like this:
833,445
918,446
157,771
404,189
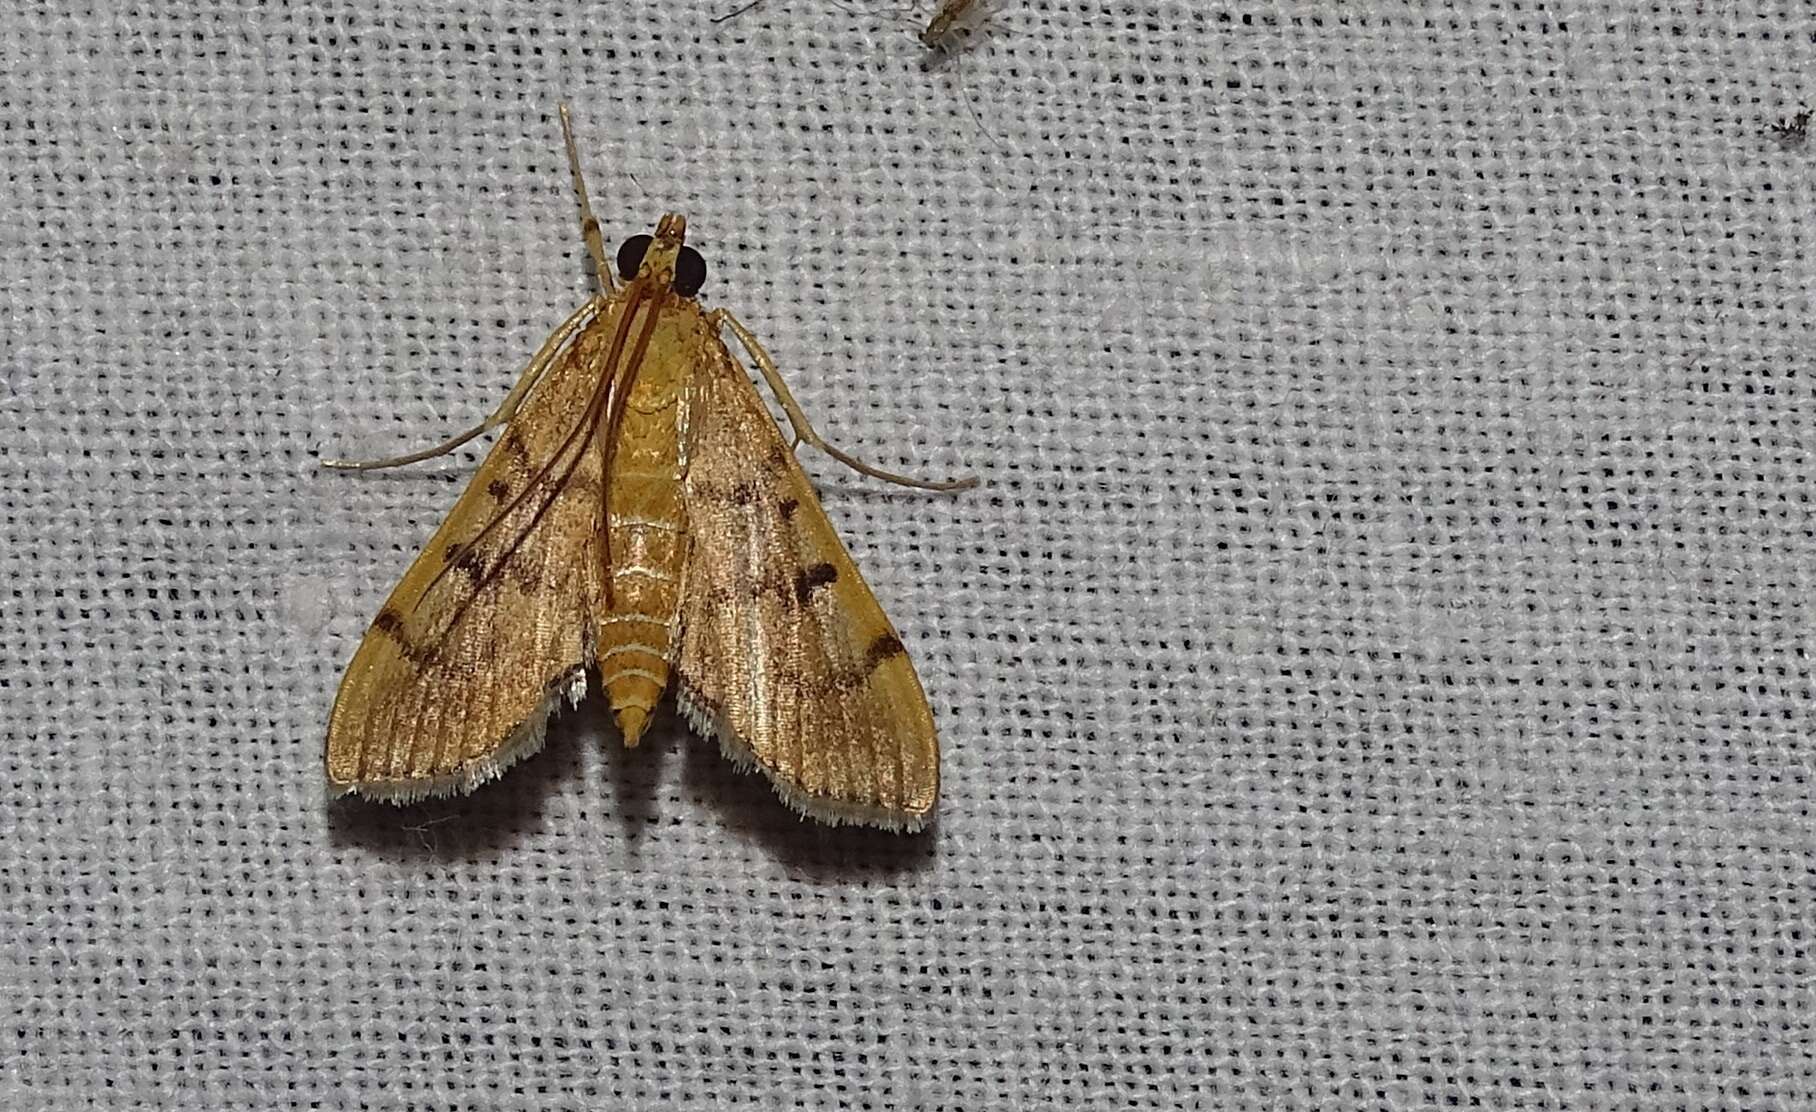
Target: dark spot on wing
788,506
472,565
809,578
886,645
770,582
743,494
513,443
498,489
390,623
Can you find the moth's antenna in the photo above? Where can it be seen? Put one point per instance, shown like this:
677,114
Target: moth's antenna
589,224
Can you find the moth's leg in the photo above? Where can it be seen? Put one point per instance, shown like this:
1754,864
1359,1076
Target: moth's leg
803,429
441,449
589,224
507,409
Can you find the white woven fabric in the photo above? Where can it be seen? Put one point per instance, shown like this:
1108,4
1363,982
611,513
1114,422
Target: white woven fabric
1376,674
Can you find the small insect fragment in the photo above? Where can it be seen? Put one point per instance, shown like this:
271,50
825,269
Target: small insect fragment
939,29
641,517
736,12
1792,131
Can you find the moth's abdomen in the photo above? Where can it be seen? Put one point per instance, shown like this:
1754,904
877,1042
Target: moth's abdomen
648,543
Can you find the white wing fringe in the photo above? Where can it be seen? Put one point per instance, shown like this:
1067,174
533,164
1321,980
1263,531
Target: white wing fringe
525,741
832,812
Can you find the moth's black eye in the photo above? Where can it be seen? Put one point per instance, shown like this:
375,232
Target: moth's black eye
630,256
690,272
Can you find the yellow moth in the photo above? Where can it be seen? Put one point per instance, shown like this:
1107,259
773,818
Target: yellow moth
641,519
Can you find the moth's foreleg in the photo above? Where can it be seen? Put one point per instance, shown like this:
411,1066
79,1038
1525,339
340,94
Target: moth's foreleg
507,409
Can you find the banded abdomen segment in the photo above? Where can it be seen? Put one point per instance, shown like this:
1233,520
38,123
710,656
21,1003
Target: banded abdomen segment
647,541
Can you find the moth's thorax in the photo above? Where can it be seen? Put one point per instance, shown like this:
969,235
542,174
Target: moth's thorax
674,346
646,528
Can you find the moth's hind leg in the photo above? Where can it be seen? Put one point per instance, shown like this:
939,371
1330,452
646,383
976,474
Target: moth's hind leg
506,410
803,429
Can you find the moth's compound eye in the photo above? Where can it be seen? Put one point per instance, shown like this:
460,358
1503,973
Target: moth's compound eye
690,272
630,256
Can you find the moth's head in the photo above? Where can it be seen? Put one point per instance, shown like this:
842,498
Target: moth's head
664,261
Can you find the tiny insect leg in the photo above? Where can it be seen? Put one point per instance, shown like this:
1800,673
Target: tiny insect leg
803,429
736,12
589,224
506,410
